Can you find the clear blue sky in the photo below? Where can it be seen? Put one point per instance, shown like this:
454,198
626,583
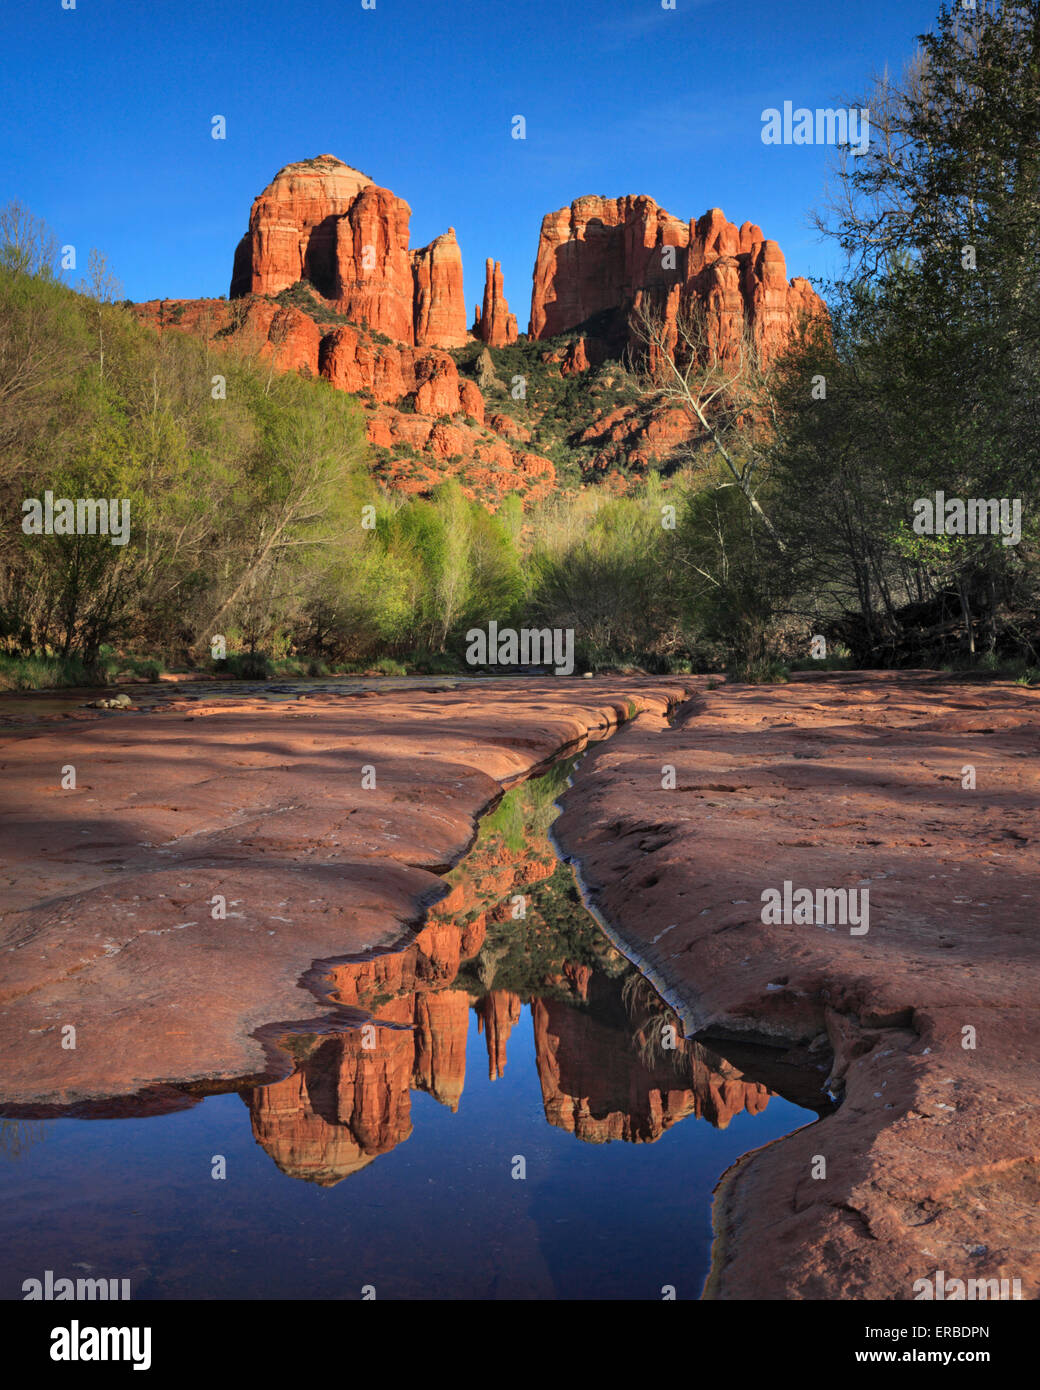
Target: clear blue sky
106,109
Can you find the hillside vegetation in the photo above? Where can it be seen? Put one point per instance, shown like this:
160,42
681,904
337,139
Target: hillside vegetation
784,509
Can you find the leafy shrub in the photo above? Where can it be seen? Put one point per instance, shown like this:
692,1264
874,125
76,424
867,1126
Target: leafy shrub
246,666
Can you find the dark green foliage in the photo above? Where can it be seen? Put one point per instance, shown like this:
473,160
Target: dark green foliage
934,373
247,666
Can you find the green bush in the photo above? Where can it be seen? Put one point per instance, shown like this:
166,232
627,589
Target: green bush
246,666
42,672
762,671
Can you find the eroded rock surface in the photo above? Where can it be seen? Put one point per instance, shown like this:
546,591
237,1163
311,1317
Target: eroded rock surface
601,257
257,810
848,782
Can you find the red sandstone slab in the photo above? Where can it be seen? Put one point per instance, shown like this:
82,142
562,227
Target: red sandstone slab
931,1160
110,886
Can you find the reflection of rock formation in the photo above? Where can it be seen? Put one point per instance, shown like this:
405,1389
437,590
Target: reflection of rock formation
345,1105
595,1084
430,962
578,977
348,1103
441,1025
497,1013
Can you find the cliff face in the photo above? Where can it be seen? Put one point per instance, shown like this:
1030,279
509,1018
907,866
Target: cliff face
293,226
325,284
439,305
602,257
326,223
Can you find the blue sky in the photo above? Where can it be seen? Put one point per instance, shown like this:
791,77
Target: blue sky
105,116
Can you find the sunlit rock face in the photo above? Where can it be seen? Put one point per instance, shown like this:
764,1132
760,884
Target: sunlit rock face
601,257
494,324
439,307
321,221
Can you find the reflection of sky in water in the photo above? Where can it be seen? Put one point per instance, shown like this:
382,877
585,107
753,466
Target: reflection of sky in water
439,1216
436,1214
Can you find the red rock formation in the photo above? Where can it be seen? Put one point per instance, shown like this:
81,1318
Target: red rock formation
437,386
575,360
441,1025
346,1105
596,1086
352,362
594,256
285,335
326,223
440,309
371,280
293,227
509,428
602,256
497,1014
329,231
495,325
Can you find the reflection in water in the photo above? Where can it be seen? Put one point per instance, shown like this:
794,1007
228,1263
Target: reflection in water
570,1033
611,1060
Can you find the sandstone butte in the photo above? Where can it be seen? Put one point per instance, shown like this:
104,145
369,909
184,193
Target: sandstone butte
326,223
361,309
606,256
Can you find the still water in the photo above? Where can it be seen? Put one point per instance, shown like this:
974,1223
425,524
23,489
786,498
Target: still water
522,1119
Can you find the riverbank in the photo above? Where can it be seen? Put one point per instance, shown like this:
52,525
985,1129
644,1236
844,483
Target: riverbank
930,1162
